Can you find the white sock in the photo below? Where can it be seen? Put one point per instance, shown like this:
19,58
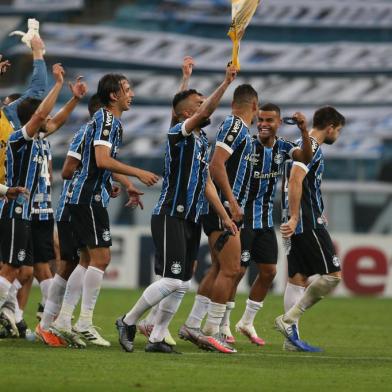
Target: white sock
151,296
214,318
198,312
11,301
316,291
54,301
252,307
72,294
226,317
150,319
167,309
5,287
45,284
91,288
292,295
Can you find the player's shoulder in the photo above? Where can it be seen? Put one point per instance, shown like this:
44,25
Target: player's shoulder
175,128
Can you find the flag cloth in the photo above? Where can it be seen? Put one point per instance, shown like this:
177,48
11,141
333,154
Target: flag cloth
241,14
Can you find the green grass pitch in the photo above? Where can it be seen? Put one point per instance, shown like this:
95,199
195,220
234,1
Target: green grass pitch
355,333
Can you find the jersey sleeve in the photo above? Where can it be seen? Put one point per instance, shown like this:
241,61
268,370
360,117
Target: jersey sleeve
105,127
287,147
229,136
177,133
314,161
76,147
19,138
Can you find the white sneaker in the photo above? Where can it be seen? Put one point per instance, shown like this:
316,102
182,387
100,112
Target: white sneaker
7,319
249,331
91,335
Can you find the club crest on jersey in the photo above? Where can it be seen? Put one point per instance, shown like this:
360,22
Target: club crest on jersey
106,235
18,210
278,158
245,256
320,220
180,208
336,261
21,255
106,132
176,268
97,198
230,138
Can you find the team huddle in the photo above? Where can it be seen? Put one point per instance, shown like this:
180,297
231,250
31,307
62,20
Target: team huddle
226,189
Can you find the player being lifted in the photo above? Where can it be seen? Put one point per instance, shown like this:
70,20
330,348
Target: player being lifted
175,223
312,251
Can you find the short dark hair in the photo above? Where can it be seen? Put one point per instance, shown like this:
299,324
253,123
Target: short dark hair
26,108
327,115
183,95
244,93
94,104
13,97
109,83
270,107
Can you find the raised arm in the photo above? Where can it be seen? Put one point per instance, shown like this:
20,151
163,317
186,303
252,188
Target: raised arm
47,104
210,104
79,90
4,65
304,154
297,175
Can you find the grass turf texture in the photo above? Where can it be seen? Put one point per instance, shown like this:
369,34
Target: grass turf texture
355,333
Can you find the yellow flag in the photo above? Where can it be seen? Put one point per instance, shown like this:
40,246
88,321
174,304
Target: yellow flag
241,14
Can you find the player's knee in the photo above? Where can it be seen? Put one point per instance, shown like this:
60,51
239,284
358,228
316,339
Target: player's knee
268,273
172,284
331,280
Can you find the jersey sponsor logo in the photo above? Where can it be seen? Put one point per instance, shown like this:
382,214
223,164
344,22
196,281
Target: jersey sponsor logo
109,119
176,268
336,261
200,158
260,175
278,158
314,145
21,255
245,256
106,235
236,126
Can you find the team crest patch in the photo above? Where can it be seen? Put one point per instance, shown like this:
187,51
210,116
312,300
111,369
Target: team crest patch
106,235
245,256
21,255
97,198
320,220
105,132
18,210
230,138
278,158
180,208
176,268
336,261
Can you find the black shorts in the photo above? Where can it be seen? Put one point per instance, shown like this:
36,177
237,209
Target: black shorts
43,244
177,244
69,249
211,222
90,225
312,252
16,242
258,245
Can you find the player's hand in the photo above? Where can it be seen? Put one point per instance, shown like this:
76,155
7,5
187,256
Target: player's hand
37,43
14,192
58,73
187,67
147,178
236,211
4,65
79,88
134,202
230,225
288,229
301,121
231,73
116,190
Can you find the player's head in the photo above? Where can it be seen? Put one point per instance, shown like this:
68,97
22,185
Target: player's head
11,98
114,90
268,121
327,119
26,108
186,103
94,104
246,98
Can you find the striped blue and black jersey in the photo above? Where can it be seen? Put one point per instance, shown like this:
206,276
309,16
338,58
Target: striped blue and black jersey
267,164
185,174
92,185
42,198
24,157
75,150
234,137
312,206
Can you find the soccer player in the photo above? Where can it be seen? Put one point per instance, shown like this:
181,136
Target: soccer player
258,239
89,197
175,220
230,169
312,251
24,161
